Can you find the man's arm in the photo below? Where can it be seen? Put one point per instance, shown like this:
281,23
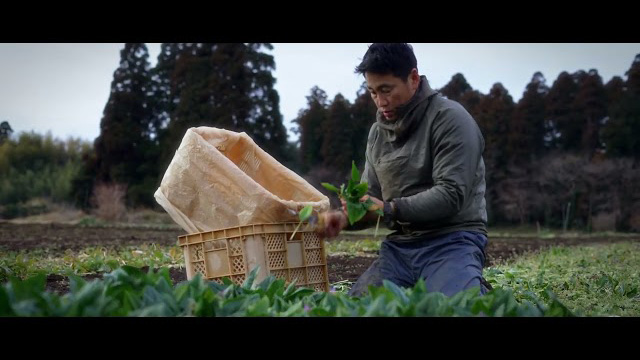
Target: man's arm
458,147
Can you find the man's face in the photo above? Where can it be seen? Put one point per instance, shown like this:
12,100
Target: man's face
389,92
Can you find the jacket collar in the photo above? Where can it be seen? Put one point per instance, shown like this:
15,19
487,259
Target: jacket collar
408,116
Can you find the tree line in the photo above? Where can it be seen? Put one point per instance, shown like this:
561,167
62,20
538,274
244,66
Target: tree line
563,155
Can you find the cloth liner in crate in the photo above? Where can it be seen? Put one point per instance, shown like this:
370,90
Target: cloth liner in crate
221,182
219,179
234,252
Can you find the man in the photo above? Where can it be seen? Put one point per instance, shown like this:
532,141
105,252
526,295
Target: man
425,169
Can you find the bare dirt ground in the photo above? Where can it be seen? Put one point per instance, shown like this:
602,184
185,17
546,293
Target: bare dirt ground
60,237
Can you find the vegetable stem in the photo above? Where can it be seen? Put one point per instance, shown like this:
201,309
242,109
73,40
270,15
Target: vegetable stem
294,231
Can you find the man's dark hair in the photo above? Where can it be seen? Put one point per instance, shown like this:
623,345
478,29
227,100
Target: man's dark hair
394,58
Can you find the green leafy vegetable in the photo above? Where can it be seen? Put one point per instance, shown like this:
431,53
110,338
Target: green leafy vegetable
352,194
305,213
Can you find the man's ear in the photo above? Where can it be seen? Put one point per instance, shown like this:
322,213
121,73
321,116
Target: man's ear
414,79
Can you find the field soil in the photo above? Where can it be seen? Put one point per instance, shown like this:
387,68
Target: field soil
60,237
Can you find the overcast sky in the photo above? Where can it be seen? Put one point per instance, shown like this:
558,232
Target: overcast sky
64,87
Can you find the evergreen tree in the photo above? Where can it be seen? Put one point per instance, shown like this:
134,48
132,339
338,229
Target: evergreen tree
614,89
5,131
268,128
494,113
123,143
310,122
526,129
564,130
228,86
337,147
163,89
364,115
633,77
458,89
470,100
620,132
591,109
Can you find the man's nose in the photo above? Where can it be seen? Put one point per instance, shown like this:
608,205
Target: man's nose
382,101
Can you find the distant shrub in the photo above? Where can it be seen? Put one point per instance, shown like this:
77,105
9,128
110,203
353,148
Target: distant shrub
109,201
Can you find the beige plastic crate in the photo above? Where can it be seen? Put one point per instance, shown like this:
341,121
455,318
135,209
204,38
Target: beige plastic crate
234,252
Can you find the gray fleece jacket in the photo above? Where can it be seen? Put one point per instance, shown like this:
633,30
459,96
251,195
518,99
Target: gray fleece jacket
429,161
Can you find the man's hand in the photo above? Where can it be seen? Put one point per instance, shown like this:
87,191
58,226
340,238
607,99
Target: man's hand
371,217
331,223
377,203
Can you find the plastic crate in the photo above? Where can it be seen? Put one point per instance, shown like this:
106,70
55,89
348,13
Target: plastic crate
234,252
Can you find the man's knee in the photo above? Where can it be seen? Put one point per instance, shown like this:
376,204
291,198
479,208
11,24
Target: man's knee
386,267
457,285
454,274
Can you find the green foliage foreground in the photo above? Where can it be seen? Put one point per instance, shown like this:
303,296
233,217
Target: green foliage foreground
128,291
598,280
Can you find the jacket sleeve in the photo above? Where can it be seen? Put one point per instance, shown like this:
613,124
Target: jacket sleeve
457,146
369,174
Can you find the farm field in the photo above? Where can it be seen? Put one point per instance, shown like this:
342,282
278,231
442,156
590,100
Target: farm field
90,251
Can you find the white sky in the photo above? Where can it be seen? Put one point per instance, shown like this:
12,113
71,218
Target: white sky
64,87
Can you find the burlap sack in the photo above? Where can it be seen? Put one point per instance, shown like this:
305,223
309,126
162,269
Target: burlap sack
219,179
